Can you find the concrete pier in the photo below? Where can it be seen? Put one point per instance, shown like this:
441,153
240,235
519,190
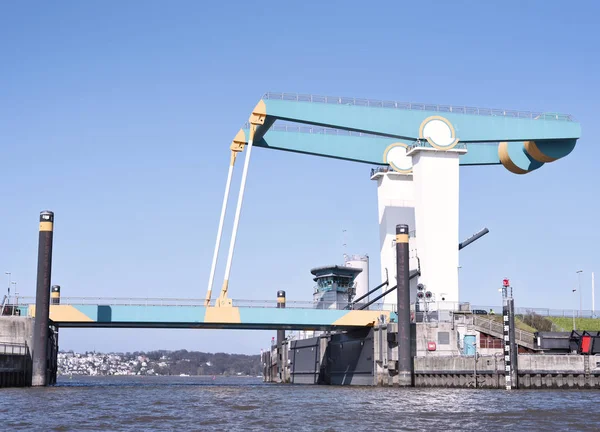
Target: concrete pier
15,365
442,357
16,339
16,335
536,371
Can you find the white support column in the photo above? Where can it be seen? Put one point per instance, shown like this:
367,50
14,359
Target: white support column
436,182
236,221
257,118
211,278
395,200
237,146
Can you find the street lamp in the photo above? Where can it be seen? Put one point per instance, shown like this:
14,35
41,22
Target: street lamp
8,274
579,287
574,328
14,284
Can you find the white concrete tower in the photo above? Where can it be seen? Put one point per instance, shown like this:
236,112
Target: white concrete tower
396,202
436,182
421,190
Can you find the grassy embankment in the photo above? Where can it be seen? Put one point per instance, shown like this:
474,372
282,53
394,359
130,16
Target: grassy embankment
566,324
519,323
544,323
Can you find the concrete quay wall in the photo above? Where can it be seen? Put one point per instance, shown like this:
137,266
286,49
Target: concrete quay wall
459,371
559,371
16,330
370,358
534,371
15,370
16,334
16,341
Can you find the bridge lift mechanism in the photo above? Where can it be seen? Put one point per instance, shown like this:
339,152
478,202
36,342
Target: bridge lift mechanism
420,147
257,118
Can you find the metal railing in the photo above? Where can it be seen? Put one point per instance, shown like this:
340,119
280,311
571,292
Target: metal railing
11,348
548,312
125,301
425,144
10,310
338,100
24,302
381,170
247,303
280,126
496,327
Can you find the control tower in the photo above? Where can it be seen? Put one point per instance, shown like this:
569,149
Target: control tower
335,286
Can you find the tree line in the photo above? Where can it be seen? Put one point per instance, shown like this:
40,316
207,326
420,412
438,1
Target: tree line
200,363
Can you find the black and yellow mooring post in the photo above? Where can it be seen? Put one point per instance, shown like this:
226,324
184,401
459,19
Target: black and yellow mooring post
280,337
55,295
39,371
405,361
54,300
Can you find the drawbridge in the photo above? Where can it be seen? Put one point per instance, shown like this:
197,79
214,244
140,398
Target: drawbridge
419,148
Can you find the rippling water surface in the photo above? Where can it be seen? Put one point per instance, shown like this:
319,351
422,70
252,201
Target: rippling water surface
204,404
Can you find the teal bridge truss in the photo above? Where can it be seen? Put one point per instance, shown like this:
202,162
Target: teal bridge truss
362,130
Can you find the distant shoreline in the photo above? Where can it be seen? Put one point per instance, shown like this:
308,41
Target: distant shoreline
155,376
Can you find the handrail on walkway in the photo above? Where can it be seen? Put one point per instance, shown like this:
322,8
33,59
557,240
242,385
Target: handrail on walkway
23,302
174,302
522,336
339,100
13,348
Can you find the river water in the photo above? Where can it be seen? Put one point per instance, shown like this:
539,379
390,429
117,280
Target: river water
231,404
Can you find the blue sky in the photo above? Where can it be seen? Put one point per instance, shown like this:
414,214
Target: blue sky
118,116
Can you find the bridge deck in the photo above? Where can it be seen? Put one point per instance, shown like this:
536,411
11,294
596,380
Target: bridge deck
197,316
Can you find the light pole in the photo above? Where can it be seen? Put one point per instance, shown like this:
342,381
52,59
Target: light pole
579,287
8,274
14,284
574,328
